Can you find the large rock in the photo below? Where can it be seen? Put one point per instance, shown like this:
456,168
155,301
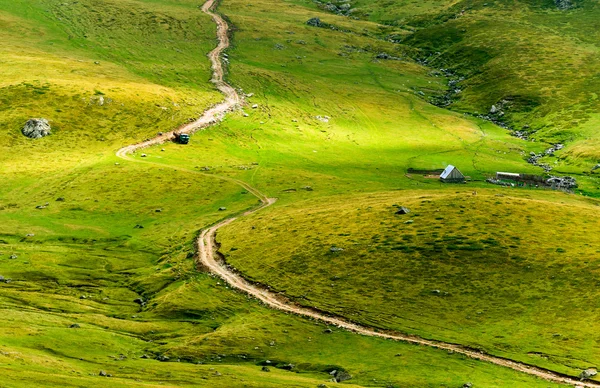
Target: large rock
36,128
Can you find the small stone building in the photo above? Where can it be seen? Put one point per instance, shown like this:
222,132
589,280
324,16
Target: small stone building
452,175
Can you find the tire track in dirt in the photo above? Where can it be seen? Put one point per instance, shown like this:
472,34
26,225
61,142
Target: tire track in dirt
208,256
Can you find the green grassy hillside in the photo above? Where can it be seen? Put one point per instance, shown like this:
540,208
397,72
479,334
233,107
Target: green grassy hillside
502,272
334,130
535,61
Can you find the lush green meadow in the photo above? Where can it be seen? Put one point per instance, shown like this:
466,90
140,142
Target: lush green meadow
503,272
110,232
536,61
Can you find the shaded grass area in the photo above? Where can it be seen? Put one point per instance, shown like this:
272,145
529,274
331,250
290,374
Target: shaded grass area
511,273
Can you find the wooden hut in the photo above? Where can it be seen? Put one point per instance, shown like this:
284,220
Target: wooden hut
452,175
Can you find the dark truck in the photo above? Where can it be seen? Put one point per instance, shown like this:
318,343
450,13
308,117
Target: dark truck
182,138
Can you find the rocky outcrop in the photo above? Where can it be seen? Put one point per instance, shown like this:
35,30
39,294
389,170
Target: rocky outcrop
36,128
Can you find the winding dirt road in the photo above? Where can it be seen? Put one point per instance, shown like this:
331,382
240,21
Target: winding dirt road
209,259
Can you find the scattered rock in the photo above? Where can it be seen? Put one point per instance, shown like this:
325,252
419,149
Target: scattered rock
144,356
12,257
265,369
97,100
335,249
138,226
222,209
315,22
75,326
36,128
103,373
308,188
83,297
30,235
288,366
254,106
565,182
327,331
387,57
40,207
60,199
588,374
158,210
139,301
563,5
403,210
340,375
162,357
467,385
144,155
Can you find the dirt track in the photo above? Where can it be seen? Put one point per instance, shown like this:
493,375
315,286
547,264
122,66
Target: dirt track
207,248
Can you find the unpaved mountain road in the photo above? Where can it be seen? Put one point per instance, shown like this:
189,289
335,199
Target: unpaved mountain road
208,257
214,114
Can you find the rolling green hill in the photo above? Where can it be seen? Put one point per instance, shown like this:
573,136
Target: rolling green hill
99,252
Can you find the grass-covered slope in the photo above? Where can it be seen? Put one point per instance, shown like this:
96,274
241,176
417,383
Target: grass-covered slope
503,272
536,61
111,73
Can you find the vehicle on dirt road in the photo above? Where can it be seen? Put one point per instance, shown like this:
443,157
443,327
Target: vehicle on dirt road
182,138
